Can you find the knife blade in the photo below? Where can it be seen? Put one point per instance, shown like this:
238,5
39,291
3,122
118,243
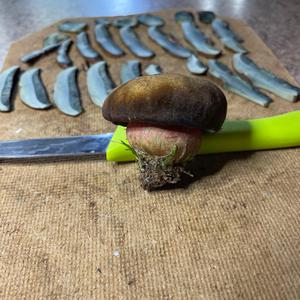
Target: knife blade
274,132
57,146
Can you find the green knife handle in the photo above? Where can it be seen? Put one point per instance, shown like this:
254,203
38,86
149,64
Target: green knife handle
279,131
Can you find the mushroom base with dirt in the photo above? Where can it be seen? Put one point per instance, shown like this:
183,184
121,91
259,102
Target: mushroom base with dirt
162,151
165,117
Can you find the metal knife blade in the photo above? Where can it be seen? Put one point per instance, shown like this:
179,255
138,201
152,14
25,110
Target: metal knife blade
56,147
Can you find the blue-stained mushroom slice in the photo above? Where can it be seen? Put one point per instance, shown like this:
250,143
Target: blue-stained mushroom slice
184,16
133,43
264,79
103,21
206,16
227,37
236,84
34,55
153,69
151,20
99,82
198,39
54,38
84,47
105,40
62,57
7,81
127,21
168,43
130,70
66,92
72,27
193,35
195,66
32,90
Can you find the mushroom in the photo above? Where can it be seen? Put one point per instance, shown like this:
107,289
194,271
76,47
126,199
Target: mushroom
165,117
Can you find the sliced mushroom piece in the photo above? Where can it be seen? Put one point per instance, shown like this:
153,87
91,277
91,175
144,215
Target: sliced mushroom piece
103,21
236,84
7,82
168,43
198,39
206,16
32,90
55,38
127,21
105,40
184,16
34,55
72,27
151,20
85,48
134,44
66,94
227,37
153,69
99,82
264,79
62,57
195,65
130,70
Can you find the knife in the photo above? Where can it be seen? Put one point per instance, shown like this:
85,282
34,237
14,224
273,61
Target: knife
274,132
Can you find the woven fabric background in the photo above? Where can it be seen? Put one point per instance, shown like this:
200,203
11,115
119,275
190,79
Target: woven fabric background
85,229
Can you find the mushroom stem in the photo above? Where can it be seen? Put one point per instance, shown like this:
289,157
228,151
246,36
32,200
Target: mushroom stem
162,151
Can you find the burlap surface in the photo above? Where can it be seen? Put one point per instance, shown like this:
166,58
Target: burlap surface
85,229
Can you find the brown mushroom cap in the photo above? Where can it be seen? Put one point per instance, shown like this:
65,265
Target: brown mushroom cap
167,100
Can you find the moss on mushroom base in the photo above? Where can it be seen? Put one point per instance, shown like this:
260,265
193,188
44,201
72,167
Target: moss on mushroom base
162,151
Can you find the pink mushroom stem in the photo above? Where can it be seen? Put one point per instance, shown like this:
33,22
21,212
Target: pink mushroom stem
161,140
